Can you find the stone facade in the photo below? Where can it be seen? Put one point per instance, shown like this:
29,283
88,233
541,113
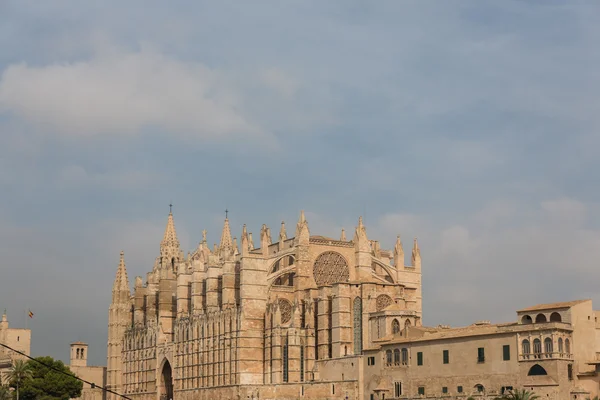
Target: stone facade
551,349
18,339
286,319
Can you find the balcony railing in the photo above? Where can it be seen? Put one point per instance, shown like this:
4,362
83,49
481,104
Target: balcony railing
546,356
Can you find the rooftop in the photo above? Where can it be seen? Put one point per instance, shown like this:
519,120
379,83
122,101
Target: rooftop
549,306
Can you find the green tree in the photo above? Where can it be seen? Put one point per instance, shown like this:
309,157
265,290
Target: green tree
519,395
5,393
18,375
50,384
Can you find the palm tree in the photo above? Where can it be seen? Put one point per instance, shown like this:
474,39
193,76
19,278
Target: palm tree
18,373
519,395
4,393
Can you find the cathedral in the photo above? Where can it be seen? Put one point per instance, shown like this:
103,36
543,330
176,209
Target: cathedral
287,319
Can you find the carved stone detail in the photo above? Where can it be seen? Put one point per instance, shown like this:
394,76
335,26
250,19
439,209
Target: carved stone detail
383,301
330,267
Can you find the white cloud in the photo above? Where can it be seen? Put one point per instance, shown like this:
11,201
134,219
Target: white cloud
123,93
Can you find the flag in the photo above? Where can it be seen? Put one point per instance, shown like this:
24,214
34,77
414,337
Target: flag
30,314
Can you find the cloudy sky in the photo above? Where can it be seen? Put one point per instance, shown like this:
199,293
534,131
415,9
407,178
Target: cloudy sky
471,125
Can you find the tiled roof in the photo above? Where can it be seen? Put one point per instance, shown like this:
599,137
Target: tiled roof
549,306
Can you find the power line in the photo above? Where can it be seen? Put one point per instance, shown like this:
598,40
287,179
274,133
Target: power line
92,384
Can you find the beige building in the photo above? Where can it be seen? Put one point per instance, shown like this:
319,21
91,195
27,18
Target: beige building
18,339
95,374
550,349
276,321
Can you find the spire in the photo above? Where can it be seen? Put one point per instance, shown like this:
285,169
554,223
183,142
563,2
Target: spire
282,234
121,283
236,249
343,235
170,237
416,254
226,242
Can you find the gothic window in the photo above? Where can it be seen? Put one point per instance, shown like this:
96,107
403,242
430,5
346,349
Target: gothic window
560,345
285,307
316,326
285,359
396,356
383,301
388,357
330,326
407,322
358,333
395,327
404,356
302,363
330,267
303,314
537,346
526,347
548,345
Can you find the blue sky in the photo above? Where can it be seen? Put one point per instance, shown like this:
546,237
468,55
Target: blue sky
472,125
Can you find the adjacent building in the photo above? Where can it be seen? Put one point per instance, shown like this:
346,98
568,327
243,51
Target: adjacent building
95,374
16,338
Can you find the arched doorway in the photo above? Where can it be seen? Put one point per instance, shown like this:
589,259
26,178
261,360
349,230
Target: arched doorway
166,382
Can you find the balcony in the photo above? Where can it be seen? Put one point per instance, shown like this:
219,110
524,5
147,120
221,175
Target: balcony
547,356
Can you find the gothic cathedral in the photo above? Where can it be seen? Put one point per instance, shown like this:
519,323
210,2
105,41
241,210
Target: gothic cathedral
278,321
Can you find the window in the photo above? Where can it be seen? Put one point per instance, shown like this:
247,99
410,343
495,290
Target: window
396,356
302,363
526,319
397,389
570,371
446,357
526,347
444,389
555,317
479,387
537,370
316,323
506,389
420,358
506,352
560,345
405,356
332,388
285,360
422,390
480,355
371,361
395,327
567,346
330,327
388,357
358,334
459,389
548,346
537,347
372,396
540,318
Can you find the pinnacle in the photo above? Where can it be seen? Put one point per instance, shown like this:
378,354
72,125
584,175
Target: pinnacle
121,279
226,241
282,233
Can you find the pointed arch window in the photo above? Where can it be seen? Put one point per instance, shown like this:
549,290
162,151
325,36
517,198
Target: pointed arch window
357,324
285,360
395,327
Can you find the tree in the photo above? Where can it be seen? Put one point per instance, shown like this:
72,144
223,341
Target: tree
5,393
519,395
50,384
18,374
